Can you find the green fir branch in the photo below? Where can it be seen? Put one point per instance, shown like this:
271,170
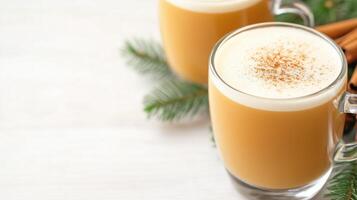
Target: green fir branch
343,185
325,11
176,99
146,57
173,99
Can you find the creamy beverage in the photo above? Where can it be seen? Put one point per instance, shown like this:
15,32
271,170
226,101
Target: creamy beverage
273,100
190,28
285,63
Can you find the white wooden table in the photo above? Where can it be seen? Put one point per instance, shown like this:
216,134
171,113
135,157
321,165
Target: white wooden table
71,120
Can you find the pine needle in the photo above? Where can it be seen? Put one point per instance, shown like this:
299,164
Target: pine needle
327,11
343,185
146,57
175,99
346,9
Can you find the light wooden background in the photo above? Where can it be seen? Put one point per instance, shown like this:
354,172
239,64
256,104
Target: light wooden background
71,120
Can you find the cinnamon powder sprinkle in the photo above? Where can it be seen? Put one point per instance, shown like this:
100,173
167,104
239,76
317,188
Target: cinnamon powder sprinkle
280,65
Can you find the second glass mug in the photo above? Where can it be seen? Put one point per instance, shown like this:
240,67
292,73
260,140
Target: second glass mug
190,28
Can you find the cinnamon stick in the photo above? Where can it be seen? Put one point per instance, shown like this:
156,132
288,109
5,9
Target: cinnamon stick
351,51
338,29
348,38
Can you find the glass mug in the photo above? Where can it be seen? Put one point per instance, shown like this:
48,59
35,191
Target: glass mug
280,154
190,28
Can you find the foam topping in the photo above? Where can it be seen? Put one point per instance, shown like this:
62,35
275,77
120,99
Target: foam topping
213,6
278,62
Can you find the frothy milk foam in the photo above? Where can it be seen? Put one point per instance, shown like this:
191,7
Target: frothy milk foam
213,6
275,63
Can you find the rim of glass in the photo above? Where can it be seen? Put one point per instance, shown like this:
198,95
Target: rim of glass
230,35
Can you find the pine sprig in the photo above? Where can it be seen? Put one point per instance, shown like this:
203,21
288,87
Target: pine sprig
146,57
173,99
176,99
325,11
343,185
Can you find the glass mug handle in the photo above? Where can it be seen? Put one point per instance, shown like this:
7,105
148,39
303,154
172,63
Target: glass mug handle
296,7
347,152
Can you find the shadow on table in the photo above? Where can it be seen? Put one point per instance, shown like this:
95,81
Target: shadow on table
188,123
